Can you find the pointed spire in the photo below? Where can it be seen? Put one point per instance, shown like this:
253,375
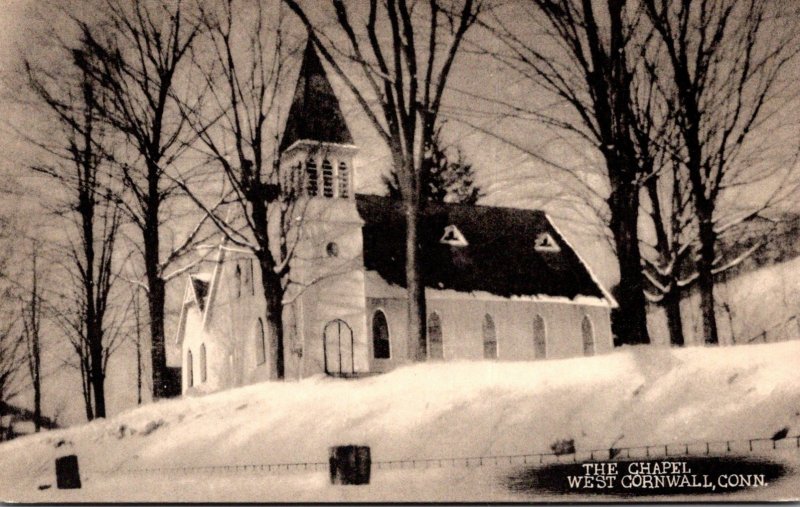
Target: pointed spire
315,114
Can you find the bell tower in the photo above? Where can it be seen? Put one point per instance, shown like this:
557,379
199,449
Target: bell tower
317,148
327,269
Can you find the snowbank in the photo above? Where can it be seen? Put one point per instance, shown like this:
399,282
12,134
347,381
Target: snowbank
635,396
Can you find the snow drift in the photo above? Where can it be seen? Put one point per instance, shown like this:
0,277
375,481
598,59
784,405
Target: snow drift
634,396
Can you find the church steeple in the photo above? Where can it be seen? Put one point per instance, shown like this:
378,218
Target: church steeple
315,114
316,150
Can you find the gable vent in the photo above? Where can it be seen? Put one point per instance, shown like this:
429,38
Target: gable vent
452,236
546,243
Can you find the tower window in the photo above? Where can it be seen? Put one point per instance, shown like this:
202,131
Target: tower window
312,178
344,180
332,249
327,178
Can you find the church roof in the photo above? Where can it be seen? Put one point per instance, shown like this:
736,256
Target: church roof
315,114
502,251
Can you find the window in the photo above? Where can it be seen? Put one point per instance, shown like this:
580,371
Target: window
587,330
203,363
189,369
327,178
252,278
489,338
539,338
545,243
312,179
332,249
261,344
237,280
435,347
380,336
452,236
247,277
296,179
344,180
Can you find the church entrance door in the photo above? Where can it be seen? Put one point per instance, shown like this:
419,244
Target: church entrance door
338,348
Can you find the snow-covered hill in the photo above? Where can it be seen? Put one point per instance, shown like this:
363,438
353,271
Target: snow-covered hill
755,301
635,396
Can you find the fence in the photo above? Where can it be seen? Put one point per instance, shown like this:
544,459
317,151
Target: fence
670,450
787,330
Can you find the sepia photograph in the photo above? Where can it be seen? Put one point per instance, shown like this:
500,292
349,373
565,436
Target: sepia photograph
380,251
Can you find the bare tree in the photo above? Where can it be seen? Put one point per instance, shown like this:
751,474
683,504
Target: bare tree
668,264
587,55
137,342
31,326
11,362
78,164
400,87
134,54
723,66
239,136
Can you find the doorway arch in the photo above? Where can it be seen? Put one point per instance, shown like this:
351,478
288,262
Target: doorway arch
337,348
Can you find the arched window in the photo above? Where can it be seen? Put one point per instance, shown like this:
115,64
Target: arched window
344,180
327,178
189,369
261,344
203,363
312,178
587,330
380,336
489,338
539,338
435,347
237,279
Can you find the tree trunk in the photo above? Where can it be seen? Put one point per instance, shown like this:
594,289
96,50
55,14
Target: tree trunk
156,286
97,378
273,294
630,321
37,404
672,307
671,301
138,368
417,332
155,303
705,278
87,389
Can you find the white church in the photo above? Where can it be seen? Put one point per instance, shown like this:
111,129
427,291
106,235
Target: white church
501,283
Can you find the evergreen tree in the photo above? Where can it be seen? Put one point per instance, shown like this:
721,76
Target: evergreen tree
448,176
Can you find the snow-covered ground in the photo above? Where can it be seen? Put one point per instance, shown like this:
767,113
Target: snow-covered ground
634,396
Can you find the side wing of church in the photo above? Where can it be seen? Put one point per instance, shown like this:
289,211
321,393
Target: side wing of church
501,283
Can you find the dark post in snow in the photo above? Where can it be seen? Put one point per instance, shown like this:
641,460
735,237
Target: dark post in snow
67,474
350,464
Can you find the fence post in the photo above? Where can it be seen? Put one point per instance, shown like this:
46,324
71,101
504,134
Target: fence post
350,464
